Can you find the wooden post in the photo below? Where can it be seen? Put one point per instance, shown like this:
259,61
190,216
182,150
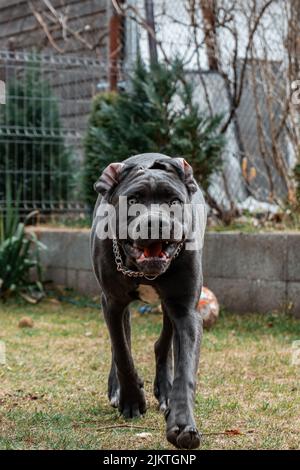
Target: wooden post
115,47
210,36
149,9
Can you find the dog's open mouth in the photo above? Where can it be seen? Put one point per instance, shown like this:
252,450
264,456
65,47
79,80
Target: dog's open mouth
154,250
154,255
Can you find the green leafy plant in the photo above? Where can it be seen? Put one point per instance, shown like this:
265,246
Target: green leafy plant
158,113
32,146
19,256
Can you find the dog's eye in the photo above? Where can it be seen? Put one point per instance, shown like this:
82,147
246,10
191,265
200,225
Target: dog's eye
174,202
132,201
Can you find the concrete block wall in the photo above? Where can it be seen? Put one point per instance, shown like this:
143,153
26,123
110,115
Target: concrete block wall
67,259
248,272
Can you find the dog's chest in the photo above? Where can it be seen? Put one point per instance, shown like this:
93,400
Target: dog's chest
148,294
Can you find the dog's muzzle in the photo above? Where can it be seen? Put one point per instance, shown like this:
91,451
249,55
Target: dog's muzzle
141,274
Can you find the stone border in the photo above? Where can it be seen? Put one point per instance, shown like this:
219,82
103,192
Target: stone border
248,272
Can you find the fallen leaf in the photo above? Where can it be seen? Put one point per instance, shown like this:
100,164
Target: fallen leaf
233,432
26,322
144,435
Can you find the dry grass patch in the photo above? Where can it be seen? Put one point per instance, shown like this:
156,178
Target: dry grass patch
53,387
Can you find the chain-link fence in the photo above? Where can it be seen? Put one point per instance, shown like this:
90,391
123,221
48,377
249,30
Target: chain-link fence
42,125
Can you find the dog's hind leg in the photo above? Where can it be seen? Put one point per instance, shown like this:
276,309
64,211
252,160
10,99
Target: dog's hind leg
124,384
164,364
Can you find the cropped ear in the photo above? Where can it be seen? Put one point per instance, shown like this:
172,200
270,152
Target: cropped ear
109,178
187,173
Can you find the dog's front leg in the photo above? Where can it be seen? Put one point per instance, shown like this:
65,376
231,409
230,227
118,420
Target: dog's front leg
164,364
132,400
187,324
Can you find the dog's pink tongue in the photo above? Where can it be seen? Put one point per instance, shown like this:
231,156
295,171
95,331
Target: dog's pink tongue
153,250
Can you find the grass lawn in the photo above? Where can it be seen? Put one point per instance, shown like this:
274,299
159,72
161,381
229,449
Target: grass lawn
53,386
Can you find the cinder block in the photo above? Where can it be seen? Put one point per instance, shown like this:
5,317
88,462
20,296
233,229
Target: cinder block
72,278
293,259
57,275
66,249
212,247
56,254
293,298
87,284
245,256
233,294
248,296
79,251
268,296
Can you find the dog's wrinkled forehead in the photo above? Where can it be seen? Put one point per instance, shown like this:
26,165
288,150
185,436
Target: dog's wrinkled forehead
151,184
169,166
154,172
118,178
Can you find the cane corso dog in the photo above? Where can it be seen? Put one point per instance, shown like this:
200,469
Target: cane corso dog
124,265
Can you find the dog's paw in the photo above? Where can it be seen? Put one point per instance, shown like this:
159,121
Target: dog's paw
184,437
113,389
132,405
162,389
114,398
163,405
181,428
163,400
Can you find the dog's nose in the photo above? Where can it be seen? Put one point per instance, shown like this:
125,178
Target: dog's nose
153,226
154,229
157,224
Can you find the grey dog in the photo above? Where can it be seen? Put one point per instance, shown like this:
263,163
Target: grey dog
122,266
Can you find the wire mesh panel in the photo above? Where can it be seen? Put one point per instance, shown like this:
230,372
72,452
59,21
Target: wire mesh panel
42,126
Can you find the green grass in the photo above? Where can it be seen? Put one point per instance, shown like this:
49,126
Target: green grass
53,386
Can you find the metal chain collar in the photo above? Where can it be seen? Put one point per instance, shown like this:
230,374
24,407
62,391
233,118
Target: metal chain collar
131,273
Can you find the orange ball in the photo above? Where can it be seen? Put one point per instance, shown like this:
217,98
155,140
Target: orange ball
208,307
